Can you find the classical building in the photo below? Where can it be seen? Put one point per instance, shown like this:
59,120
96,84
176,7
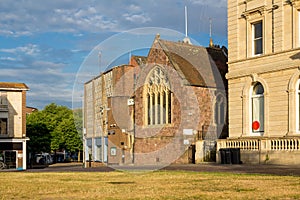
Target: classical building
167,107
263,80
13,125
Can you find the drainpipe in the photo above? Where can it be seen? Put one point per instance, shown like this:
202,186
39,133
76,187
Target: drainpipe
272,26
292,11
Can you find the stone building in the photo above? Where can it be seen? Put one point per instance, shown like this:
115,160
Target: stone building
13,125
263,80
104,96
180,103
167,107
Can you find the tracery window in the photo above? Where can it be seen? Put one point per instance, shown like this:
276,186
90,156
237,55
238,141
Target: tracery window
158,98
220,110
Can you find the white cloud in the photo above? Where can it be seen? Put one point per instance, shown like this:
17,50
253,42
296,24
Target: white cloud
48,65
29,49
46,85
7,58
83,19
215,3
27,17
137,18
134,8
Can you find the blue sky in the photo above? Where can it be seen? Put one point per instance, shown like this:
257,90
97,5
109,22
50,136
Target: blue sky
46,44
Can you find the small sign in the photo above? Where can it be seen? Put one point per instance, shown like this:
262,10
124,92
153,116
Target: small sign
113,151
187,131
186,142
130,102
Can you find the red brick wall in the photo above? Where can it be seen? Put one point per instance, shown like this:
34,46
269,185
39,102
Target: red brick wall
191,109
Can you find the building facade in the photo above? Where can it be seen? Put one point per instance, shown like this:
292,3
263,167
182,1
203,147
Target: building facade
13,125
175,98
263,80
167,107
106,139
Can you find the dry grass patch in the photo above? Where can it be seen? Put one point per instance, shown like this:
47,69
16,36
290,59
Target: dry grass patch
150,185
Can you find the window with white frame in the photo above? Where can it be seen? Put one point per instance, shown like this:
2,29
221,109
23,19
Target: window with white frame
298,106
257,104
298,28
257,31
158,98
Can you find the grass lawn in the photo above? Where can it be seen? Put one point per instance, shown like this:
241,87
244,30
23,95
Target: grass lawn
149,185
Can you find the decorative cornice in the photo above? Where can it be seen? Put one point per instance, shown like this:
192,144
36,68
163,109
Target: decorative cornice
259,10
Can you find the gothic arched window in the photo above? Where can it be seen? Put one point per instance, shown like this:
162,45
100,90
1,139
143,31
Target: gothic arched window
220,109
158,97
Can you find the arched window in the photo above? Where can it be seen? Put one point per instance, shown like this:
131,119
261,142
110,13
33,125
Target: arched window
220,110
298,106
257,108
158,96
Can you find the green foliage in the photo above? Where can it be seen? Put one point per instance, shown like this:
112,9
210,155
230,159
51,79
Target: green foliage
59,121
40,138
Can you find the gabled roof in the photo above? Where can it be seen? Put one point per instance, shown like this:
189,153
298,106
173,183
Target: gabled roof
13,86
140,60
193,63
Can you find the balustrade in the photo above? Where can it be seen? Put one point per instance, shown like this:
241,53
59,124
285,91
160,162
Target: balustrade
273,144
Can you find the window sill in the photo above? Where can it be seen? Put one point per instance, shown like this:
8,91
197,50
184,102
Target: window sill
4,136
258,134
158,126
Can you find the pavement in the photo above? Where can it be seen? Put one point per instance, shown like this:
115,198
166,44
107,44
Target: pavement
282,170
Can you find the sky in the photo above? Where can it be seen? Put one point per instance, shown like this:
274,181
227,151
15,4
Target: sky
48,44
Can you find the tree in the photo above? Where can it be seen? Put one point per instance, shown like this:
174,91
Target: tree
40,138
65,136
59,121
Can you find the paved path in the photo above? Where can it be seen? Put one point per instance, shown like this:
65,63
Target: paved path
248,169
207,167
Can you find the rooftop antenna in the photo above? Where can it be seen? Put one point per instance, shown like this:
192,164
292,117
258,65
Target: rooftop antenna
210,27
186,24
186,39
129,57
210,35
99,57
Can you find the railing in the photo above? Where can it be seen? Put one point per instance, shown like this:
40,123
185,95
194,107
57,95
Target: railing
253,144
290,144
244,144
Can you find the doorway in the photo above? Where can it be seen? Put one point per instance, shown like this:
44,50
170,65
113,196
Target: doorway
191,154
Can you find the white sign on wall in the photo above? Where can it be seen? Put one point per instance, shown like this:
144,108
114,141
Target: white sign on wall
130,102
187,131
186,142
